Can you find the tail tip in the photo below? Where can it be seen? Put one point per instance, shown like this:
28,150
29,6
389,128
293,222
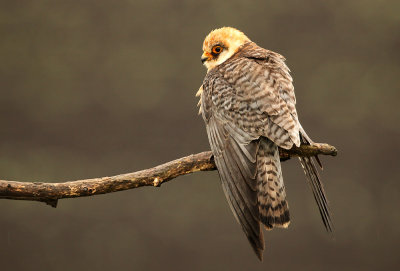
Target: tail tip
259,253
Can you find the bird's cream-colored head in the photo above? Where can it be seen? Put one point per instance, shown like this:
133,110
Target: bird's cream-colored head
220,45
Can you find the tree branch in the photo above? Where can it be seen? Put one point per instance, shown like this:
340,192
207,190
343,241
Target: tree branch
50,193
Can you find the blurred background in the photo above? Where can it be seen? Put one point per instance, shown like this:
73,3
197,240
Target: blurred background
98,88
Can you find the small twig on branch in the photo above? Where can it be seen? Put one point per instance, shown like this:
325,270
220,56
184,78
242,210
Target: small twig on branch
50,193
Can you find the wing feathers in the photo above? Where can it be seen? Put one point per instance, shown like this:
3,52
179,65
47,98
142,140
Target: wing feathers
317,188
237,175
313,179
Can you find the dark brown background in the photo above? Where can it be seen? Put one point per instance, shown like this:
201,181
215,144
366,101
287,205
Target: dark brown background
96,88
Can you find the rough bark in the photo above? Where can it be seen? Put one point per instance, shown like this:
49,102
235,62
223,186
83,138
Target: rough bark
50,193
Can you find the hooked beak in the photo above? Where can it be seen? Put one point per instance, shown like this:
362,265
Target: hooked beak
205,57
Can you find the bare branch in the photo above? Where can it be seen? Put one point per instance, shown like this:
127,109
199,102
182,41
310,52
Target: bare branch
50,193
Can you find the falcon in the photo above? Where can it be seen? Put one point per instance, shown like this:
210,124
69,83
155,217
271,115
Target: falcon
248,103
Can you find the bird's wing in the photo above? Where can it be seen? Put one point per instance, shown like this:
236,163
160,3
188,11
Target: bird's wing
237,168
313,179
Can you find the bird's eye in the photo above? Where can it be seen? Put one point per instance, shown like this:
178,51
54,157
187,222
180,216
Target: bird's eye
216,49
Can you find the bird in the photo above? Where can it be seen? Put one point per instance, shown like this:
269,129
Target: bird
247,102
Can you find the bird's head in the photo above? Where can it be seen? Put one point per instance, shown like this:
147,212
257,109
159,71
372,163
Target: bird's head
220,45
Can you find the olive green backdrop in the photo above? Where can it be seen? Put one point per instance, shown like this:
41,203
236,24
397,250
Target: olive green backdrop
97,88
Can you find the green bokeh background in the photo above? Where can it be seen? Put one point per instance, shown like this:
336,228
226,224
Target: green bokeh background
97,88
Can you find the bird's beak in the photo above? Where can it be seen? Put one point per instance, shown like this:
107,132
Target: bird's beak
205,57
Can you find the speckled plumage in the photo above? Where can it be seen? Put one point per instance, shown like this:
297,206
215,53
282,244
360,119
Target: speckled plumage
248,104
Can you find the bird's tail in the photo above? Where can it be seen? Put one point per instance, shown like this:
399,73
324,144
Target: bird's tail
315,183
273,207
